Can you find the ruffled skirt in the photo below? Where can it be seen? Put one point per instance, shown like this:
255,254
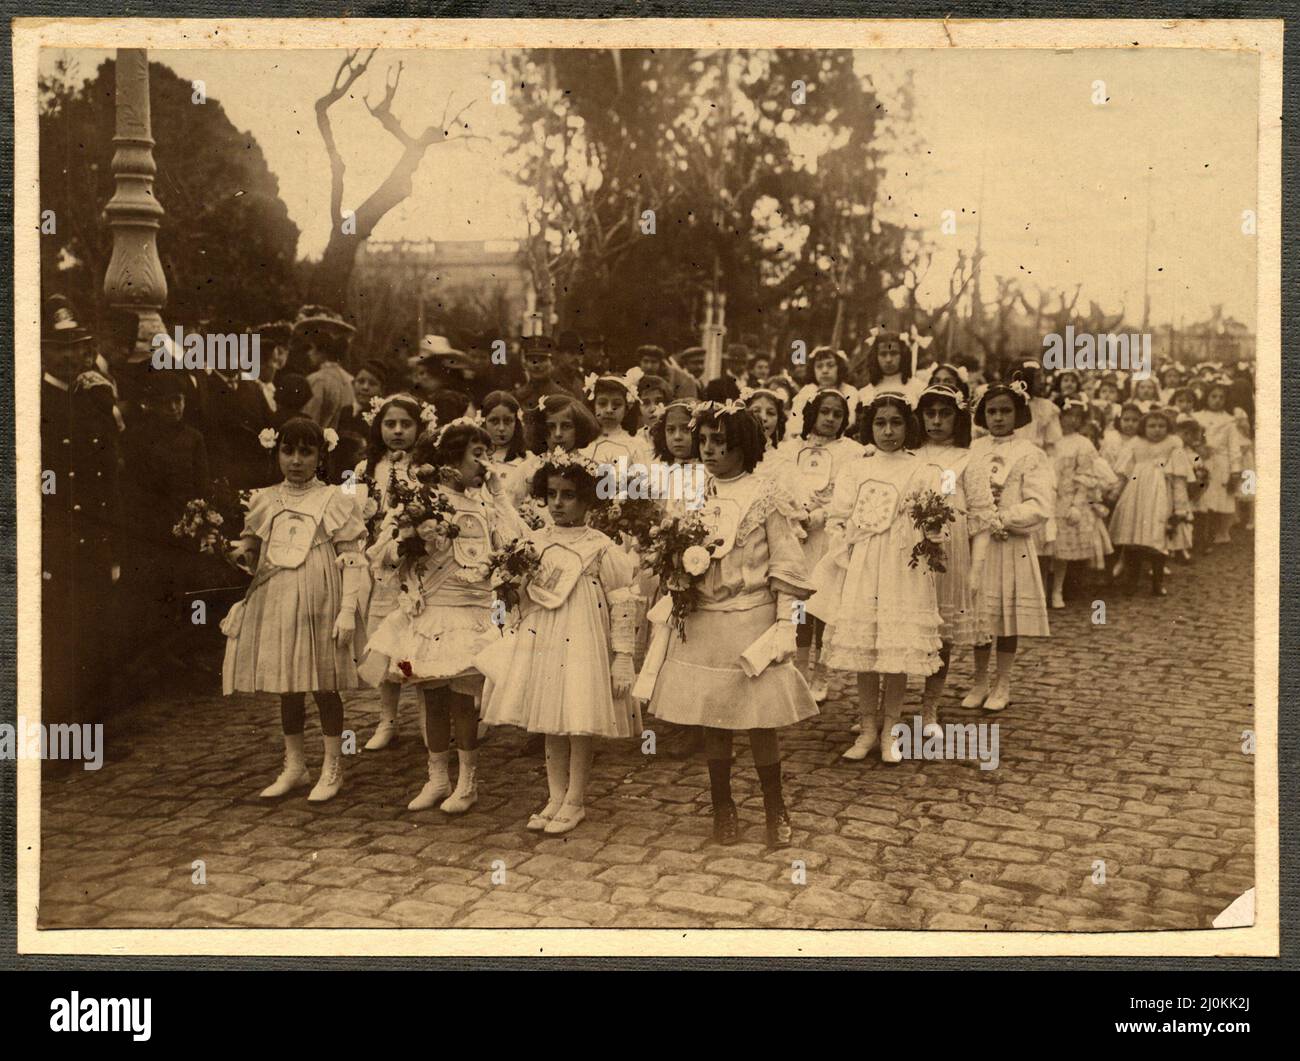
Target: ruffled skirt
701,682
881,615
435,648
1085,540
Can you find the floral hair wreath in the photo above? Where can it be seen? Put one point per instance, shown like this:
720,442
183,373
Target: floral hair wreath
905,396
704,409
428,415
941,390
963,373
473,421
269,437
558,460
628,382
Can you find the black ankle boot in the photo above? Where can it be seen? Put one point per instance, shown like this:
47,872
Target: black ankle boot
779,830
726,825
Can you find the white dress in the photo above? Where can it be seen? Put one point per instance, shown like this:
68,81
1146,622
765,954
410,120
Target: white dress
1080,534
550,673
1223,442
390,469
280,638
1156,475
444,615
952,586
1008,479
808,469
881,613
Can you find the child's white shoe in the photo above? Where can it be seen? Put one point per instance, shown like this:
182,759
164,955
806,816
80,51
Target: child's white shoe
294,773
384,735
466,794
539,821
979,691
862,747
1000,697
437,788
1058,601
891,747
856,727
566,820
331,773
819,686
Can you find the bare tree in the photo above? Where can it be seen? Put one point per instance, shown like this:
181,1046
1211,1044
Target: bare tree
329,282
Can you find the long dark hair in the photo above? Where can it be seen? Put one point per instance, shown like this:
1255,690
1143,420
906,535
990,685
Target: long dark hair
375,448
767,395
659,432
814,409
961,425
631,422
585,428
874,375
911,428
516,448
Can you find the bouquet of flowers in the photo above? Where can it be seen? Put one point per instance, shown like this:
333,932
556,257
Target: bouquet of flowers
999,532
930,513
421,515
201,523
510,567
627,520
680,551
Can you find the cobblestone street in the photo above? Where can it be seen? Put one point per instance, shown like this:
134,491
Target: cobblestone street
1122,746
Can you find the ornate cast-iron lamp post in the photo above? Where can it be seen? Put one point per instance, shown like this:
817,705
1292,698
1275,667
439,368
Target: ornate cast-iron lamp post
135,280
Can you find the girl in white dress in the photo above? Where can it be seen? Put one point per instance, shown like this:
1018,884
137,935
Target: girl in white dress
944,412
394,426
294,631
503,420
1155,471
444,614
1011,492
807,464
890,366
557,421
882,617
747,593
1223,461
565,669
617,407
1079,469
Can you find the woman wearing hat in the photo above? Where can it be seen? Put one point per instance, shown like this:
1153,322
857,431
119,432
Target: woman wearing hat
324,336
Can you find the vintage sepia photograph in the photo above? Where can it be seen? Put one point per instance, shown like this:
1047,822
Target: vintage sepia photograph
659,478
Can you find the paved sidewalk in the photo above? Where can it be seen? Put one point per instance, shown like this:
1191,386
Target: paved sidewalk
1122,746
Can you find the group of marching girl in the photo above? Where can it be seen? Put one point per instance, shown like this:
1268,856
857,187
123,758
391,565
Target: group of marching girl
808,494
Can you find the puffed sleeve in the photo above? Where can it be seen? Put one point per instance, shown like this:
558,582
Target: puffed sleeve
786,562
1180,463
617,569
1037,493
257,521
342,518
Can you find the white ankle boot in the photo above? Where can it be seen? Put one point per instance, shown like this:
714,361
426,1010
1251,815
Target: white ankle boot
890,747
868,730
437,788
331,772
466,794
386,732
819,685
294,774
979,690
1001,694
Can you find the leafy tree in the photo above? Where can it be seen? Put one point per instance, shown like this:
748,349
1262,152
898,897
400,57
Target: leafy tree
226,242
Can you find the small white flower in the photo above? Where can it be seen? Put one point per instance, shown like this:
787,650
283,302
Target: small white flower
696,560
268,437
331,439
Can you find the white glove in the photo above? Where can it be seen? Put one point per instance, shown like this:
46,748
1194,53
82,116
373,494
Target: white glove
622,674
817,519
786,644
346,624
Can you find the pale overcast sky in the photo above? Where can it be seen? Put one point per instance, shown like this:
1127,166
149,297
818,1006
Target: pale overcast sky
1065,180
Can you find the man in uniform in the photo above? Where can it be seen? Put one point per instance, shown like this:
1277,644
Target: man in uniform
79,523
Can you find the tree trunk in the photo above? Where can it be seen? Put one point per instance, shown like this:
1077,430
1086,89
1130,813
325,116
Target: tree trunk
330,277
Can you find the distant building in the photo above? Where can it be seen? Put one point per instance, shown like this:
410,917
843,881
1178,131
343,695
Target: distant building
491,273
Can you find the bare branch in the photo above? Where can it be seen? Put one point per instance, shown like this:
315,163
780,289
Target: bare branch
344,78
383,111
